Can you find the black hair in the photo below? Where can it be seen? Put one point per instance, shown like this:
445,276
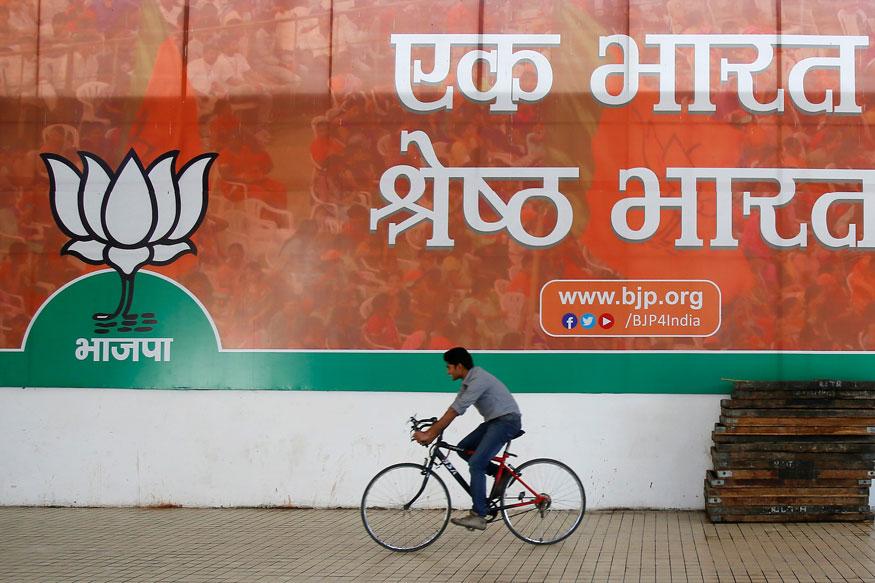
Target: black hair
459,355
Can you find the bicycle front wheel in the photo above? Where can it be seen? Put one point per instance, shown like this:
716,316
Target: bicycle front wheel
560,512
405,507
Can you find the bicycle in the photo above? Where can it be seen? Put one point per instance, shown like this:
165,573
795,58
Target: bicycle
407,506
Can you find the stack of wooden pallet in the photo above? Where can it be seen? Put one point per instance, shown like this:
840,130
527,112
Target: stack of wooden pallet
793,451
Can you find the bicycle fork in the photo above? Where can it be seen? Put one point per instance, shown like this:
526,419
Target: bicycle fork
429,464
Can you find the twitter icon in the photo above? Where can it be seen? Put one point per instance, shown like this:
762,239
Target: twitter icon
587,321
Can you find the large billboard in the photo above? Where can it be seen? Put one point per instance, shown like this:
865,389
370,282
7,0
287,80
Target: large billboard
595,195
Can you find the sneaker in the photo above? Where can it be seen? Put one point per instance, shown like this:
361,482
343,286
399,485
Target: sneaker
471,521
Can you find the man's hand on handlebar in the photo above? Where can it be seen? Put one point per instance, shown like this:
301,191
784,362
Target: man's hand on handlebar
423,432
424,437
426,430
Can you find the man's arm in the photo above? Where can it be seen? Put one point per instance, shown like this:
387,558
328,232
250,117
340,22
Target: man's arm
429,435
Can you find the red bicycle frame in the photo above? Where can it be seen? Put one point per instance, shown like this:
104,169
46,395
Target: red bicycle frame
438,456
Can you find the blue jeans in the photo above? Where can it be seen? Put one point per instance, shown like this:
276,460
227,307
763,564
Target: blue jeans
486,441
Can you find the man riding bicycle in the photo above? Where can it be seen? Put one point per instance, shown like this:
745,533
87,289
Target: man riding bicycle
502,422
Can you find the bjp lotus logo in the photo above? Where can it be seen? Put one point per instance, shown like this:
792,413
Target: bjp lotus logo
129,218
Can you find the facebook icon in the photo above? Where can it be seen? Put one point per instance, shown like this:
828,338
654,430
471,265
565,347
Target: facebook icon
569,321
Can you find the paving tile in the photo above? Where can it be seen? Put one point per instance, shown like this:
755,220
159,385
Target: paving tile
278,545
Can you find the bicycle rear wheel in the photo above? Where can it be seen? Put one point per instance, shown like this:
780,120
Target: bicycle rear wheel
557,516
406,507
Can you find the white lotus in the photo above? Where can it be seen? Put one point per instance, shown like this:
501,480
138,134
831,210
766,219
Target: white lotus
131,217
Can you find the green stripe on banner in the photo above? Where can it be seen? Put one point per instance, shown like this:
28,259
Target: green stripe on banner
663,373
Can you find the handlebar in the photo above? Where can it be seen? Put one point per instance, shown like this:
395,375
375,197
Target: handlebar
420,424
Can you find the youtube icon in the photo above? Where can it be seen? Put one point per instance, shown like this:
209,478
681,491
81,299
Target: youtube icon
606,321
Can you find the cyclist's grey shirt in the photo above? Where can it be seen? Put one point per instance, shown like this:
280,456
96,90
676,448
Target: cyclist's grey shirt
488,395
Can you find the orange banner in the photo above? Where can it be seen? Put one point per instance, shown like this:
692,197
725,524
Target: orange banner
417,175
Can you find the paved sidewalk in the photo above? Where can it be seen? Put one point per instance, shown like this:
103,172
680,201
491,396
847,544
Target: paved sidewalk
219,545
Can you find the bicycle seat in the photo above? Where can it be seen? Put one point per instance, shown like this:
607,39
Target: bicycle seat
512,437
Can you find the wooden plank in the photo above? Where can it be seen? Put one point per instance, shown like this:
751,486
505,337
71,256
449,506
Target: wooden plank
804,470
816,385
720,437
794,465
793,430
772,490
775,474
783,509
807,413
774,456
774,518
732,497
797,447
812,394
789,469
799,421
796,501
794,401
723,481
787,484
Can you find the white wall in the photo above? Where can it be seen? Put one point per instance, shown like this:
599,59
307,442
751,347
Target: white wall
88,447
